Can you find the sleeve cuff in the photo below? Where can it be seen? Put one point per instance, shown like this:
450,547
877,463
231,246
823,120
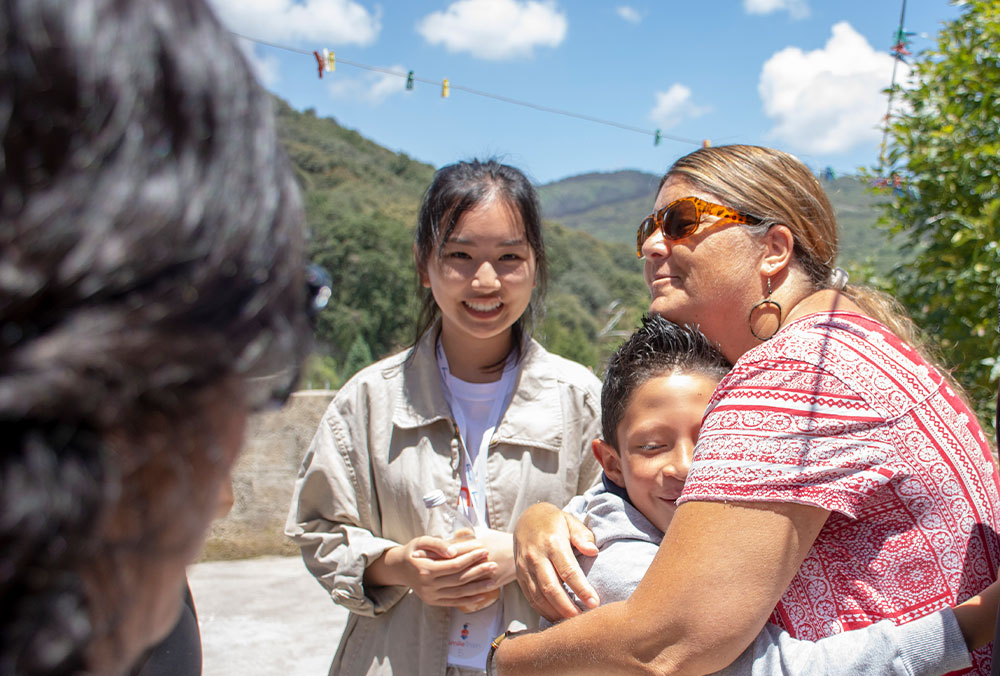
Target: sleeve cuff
346,584
933,644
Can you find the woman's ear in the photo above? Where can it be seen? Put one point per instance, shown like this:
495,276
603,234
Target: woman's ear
421,269
779,243
607,456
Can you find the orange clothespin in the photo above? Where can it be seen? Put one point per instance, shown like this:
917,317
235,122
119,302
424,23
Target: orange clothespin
445,88
330,58
319,64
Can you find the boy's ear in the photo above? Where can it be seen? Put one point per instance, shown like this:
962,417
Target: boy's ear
608,457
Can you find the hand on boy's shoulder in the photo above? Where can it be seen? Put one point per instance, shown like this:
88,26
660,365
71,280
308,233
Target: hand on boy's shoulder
627,543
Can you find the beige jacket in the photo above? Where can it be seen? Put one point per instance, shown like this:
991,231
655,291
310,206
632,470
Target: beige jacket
385,441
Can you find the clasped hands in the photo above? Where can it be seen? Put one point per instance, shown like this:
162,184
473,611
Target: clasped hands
465,572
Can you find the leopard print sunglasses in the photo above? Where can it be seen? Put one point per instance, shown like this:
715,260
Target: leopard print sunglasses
681,219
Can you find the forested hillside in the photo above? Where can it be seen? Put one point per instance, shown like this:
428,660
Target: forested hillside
361,204
863,245
362,201
611,205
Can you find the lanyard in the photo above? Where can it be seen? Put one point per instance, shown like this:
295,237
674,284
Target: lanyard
475,472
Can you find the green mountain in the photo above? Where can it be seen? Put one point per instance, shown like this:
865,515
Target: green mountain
863,245
361,206
361,200
611,205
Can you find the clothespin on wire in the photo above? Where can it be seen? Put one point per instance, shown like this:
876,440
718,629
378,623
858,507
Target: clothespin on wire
330,58
445,88
319,64
409,80
657,137
901,44
892,182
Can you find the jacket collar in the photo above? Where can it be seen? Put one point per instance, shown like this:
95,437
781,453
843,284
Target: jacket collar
534,417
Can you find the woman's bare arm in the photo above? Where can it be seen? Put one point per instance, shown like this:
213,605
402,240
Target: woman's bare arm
719,573
977,616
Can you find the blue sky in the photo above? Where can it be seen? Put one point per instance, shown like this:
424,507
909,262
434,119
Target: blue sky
801,75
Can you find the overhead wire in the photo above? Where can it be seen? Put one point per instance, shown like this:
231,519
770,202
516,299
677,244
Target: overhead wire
657,134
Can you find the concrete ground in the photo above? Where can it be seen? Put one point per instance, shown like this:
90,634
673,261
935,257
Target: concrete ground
264,617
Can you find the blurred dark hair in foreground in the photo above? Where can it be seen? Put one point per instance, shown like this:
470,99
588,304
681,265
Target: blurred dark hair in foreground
152,291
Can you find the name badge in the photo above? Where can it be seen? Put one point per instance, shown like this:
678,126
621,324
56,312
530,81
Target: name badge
471,633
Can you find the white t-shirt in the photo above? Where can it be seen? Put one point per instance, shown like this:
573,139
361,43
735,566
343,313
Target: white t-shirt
471,404
477,409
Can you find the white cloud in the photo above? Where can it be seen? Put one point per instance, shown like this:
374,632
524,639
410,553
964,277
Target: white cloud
495,29
828,100
674,105
335,22
373,87
630,14
797,9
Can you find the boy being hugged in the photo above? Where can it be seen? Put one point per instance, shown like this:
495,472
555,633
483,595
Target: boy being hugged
655,392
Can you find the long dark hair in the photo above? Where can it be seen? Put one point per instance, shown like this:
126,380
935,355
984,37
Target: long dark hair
151,248
465,186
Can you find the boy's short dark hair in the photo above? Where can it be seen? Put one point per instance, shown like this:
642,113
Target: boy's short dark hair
657,348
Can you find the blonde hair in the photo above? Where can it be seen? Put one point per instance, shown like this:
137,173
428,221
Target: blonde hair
778,188
775,187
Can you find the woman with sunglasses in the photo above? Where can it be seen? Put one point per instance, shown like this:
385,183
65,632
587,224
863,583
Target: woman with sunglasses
839,478
152,294
475,408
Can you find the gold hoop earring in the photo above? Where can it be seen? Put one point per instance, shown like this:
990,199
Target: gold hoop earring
766,301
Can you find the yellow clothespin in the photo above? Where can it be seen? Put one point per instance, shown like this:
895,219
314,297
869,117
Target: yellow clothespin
706,144
445,88
330,58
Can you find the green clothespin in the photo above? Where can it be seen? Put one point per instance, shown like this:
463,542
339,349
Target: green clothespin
657,138
409,80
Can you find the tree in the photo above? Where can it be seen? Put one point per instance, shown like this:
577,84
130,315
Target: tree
358,357
320,372
569,330
374,284
945,151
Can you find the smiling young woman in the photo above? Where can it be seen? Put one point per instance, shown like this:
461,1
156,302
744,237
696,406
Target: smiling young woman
475,408
482,281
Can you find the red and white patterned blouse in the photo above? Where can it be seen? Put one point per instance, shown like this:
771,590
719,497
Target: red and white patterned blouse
835,411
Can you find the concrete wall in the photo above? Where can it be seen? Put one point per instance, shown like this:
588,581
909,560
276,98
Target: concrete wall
263,480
